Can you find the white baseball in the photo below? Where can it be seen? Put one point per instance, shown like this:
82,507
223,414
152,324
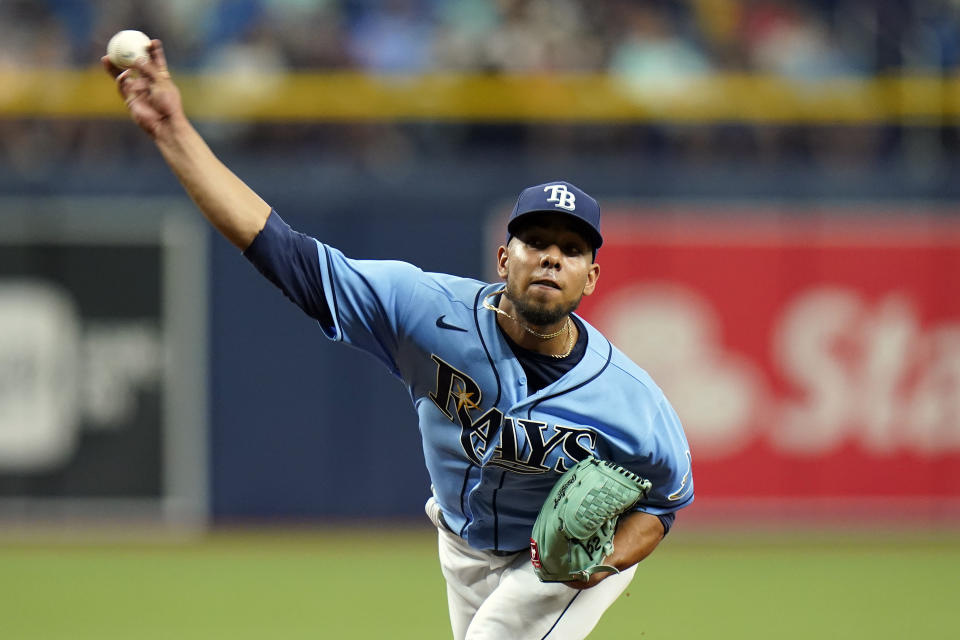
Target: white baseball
126,46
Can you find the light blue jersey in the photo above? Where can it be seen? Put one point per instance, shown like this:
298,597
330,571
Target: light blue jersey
492,450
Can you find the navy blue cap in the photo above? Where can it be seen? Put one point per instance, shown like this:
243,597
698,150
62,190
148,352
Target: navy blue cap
563,198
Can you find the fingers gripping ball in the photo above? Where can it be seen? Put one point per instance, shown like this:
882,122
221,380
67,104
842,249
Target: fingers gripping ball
574,531
125,47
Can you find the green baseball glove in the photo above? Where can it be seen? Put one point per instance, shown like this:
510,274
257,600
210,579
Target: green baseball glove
574,531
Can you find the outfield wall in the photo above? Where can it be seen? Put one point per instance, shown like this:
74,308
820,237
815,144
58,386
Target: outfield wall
805,326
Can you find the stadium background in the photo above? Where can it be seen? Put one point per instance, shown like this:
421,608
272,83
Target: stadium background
181,453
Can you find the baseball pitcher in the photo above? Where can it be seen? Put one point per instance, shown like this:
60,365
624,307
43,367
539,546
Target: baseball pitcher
556,463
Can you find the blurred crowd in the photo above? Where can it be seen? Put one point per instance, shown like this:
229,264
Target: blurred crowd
636,40
794,37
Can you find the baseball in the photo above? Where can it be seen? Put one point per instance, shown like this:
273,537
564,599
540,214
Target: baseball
126,46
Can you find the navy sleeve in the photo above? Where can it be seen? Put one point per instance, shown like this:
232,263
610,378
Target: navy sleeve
666,519
290,260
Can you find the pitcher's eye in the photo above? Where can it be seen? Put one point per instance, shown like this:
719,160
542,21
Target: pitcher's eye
535,241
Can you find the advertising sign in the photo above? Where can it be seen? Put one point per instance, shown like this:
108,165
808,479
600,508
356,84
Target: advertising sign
809,356
102,311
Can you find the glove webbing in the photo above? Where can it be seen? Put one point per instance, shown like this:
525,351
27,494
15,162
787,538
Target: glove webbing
601,503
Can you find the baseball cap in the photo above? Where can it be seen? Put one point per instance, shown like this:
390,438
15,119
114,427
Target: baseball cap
561,198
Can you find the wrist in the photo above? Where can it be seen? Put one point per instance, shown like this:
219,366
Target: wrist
167,127
174,134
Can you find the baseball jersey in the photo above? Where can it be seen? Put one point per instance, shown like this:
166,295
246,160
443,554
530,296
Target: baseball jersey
493,451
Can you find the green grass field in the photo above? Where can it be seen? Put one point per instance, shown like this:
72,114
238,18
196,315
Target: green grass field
375,584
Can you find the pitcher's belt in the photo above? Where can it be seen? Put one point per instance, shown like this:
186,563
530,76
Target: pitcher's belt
495,552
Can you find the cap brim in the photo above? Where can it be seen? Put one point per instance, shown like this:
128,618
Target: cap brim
584,227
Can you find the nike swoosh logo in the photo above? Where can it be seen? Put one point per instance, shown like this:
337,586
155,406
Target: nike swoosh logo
444,325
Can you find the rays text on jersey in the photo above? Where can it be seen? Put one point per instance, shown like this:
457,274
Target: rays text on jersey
493,439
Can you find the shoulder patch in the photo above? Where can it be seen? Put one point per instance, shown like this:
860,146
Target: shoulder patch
684,488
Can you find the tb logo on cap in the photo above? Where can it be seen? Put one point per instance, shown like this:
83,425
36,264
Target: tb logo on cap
564,198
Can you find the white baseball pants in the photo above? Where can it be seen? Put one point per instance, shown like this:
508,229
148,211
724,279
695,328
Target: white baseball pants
499,597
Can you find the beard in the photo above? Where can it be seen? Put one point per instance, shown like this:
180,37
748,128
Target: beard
536,313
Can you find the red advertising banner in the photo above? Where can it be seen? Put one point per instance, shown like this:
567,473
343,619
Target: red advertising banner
809,357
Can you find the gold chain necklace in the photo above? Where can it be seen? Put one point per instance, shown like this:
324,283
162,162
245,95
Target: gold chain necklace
570,342
542,336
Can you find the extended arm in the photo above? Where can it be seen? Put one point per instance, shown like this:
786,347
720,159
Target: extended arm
153,100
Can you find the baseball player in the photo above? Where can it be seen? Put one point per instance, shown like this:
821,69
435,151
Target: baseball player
511,387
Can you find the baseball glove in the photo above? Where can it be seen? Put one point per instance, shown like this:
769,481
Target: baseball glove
574,531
